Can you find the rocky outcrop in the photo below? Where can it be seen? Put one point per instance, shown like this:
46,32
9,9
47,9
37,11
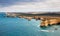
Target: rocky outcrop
52,21
46,18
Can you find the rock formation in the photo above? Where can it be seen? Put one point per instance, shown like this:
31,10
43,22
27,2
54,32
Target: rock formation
52,21
46,18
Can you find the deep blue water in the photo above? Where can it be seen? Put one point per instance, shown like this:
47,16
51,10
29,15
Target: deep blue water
22,27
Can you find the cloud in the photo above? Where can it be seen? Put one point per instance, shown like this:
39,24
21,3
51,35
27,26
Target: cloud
9,2
47,5
36,6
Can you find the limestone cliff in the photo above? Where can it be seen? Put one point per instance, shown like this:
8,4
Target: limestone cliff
52,21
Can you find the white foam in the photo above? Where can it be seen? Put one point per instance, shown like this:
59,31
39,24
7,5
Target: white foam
38,25
47,30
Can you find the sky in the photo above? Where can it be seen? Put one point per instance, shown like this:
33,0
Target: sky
29,5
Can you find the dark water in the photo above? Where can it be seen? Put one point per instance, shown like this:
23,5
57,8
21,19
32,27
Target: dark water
22,27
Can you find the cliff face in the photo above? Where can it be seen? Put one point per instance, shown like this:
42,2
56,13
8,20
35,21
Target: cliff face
47,18
54,21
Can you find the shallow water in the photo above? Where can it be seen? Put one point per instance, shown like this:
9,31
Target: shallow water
22,27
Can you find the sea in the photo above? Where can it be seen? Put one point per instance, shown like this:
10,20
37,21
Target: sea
14,26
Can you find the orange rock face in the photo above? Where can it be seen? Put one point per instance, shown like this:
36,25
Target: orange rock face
54,21
50,22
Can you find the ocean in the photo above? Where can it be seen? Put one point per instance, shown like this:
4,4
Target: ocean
10,26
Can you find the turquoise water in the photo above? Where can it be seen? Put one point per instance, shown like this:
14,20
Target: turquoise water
22,27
